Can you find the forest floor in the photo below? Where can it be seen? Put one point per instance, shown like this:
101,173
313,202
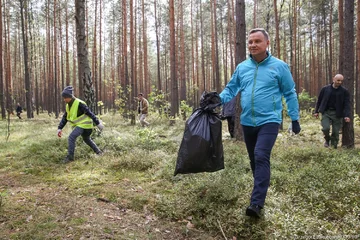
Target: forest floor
130,192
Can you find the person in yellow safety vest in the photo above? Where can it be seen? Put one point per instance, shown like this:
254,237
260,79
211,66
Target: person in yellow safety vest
81,119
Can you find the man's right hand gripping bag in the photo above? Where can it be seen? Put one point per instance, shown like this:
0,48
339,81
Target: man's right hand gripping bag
201,148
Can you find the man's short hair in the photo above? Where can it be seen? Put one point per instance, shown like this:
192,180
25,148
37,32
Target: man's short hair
264,32
140,94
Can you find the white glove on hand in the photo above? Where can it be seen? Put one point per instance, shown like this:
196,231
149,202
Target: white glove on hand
59,132
100,126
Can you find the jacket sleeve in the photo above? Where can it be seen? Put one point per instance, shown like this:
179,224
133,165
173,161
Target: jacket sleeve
287,86
63,121
232,88
318,102
145,106
83,108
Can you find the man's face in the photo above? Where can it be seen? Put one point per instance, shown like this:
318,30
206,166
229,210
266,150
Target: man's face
257,44
338,80
140,97
67,100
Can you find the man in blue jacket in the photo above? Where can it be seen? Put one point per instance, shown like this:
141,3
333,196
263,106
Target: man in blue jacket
262,80
334,105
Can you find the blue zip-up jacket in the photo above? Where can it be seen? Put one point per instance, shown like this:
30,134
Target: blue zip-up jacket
262,86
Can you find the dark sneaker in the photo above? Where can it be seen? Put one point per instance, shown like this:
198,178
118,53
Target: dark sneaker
68,159
326,144
253,211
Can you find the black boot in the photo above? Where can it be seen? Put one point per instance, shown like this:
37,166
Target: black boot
68,159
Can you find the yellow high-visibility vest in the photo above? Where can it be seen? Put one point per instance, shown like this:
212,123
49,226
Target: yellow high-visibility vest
83,120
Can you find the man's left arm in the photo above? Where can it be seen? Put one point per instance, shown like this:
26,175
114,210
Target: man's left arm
83,108
289,93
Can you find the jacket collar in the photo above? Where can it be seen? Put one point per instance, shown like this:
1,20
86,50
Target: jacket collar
266,59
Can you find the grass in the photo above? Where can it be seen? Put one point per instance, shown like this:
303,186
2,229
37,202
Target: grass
131,193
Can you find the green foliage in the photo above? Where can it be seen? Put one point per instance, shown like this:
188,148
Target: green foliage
121,100
185,109
356,120
305,101
313,190
157,99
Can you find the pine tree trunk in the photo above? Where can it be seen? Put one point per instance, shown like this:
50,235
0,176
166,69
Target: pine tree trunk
145,43
357,76
157,26
217,68
348,128
240,55
277,42
84,72
174,83
67,60
56,66
182,55
341,35
26,64
2,97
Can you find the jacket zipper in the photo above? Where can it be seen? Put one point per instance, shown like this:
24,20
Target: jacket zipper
253,96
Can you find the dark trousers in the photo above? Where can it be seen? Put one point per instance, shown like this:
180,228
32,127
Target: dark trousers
231,125
85,133
329,118
259,143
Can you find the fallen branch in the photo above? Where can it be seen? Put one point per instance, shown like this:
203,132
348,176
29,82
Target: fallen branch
221,230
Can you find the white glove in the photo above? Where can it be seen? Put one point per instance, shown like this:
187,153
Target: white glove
100,126
59,132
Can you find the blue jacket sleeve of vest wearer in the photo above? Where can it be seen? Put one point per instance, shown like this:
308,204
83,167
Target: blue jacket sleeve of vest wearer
63,121
289,93
83,108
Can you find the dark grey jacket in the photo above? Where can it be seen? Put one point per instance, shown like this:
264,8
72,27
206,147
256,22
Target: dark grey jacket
342,101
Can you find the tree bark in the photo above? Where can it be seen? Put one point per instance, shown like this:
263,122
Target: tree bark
357,85
56,102
84,71
23,6
341,35
182,54
2,97
240,55
348,128
277,44
174,82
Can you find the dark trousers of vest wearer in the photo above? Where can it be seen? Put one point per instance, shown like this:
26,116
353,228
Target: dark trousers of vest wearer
259,143
85,133
329,118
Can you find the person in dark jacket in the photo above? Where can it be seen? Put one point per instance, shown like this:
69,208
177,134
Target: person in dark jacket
18,110
228,113
334,105
81,119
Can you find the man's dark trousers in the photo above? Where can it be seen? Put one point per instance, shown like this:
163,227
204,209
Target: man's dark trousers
259,143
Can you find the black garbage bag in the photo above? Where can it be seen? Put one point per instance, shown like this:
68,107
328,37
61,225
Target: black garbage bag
201,148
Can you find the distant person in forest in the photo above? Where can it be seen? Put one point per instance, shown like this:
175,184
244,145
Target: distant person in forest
143,108
334,105
81,119
228,113
18,110
262,80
